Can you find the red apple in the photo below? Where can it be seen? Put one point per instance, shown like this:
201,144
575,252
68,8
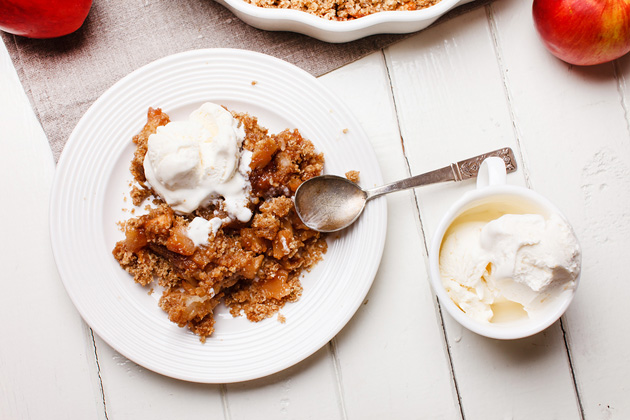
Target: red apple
584,32
43,18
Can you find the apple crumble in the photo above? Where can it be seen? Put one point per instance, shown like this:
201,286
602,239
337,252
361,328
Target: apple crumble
253,266
342,10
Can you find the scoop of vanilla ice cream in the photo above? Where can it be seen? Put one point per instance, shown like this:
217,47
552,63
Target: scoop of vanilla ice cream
190,163
532,250
521,258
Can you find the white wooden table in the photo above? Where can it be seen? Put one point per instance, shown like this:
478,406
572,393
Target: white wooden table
472,84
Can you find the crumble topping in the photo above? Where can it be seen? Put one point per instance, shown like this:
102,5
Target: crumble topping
253,267
353,176
343,10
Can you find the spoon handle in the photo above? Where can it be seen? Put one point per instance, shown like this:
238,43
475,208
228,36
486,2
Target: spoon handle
459,171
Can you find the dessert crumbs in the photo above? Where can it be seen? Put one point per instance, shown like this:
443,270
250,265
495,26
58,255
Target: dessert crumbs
353,176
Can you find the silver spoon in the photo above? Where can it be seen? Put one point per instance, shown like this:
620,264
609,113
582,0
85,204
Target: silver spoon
329,203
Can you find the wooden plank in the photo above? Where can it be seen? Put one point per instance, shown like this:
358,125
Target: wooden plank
134,392
452,103
391,356
307,390
576,147
47,357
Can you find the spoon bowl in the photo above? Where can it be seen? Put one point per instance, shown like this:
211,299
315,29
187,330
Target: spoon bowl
329,203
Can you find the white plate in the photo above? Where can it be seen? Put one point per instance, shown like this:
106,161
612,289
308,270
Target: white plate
90,193
338,31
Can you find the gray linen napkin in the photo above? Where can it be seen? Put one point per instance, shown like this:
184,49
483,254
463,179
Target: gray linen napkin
64,76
